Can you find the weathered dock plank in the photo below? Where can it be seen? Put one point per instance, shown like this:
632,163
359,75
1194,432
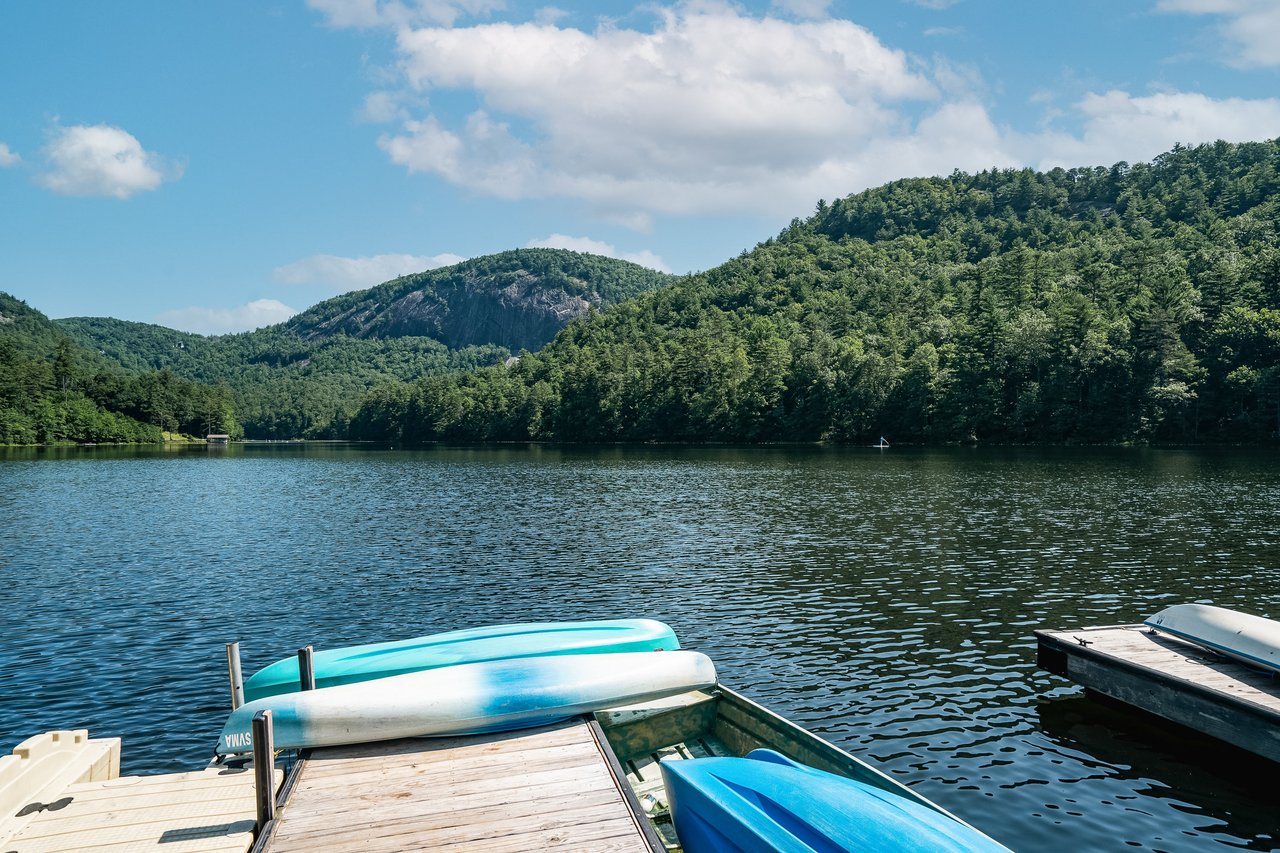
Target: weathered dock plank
208,811
1172,679
539,789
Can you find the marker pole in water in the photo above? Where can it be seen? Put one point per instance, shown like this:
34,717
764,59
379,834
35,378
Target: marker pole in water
307,668
234,674
264,768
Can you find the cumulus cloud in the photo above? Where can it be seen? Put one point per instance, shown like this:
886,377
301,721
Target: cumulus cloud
1120,126
1250,27
381,107
343,274
363,14
802,8
8,157
644,257
715,111
549,14
222,321
101,160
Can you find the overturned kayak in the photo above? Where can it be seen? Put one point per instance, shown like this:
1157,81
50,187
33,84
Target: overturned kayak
766,801
1242,636
353,664
469,698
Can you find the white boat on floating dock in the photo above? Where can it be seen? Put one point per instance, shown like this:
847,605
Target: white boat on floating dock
1168,675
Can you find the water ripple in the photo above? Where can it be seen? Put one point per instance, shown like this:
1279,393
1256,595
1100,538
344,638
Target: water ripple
884,600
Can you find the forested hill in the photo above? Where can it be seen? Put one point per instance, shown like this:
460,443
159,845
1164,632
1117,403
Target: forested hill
303,378
52,390
1118,304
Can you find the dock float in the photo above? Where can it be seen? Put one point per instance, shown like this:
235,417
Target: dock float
550,788
61,792
1176,680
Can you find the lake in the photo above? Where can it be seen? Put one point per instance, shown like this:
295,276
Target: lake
884,599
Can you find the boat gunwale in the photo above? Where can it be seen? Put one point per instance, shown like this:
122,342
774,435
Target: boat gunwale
836,757
619,775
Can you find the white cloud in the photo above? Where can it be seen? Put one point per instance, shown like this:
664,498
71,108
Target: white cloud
221,321
713,110
8,157
549,14
101,160
644,258
344,274
381,107
1119,126
1252,27
812,9
363,14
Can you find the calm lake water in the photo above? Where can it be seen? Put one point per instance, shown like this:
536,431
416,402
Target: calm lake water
883,599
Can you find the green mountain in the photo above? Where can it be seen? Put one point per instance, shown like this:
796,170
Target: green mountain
1111,304
304,377
52,389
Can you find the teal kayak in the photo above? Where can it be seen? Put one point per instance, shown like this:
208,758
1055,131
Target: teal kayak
353,664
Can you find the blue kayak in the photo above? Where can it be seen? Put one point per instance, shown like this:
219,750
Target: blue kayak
769,802
353,664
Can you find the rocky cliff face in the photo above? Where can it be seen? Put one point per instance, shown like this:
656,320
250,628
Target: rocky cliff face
518,314
518,300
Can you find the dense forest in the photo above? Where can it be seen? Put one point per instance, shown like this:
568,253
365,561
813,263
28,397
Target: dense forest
1122,304
1095,305
303,378
53,390
282,385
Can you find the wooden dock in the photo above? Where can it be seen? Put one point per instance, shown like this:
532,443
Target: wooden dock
72,799
1173,679
549,789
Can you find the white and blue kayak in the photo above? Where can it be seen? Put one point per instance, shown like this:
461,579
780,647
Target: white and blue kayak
766,801
469,698
1249,639
353,664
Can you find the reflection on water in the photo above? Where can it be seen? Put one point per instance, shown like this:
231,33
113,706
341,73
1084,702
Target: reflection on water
885,600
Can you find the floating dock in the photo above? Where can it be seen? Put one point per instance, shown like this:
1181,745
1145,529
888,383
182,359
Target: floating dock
62,792
1176,680
552,788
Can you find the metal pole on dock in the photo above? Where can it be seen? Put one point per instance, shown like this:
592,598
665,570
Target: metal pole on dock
264,768
307,668
233,673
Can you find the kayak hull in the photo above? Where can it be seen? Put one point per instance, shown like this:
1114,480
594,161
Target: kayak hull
766,801
1250,639
468,698
354,664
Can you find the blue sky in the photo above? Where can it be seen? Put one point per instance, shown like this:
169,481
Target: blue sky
216,166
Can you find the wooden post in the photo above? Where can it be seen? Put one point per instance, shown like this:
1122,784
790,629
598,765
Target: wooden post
264,768
307,668
234,674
